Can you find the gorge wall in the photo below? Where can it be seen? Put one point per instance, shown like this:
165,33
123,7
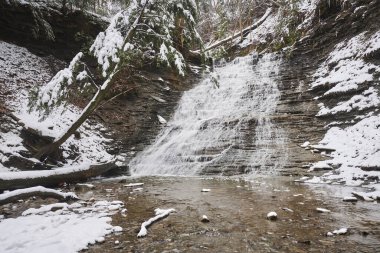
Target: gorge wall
132,121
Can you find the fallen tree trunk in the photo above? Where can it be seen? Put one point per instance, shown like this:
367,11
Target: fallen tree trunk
252,27
38,191
25,179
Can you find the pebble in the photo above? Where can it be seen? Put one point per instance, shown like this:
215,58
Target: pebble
272,216
117,242
205,190
205,219
350,199
323,210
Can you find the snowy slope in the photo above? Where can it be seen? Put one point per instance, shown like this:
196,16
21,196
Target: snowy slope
349,74
21,71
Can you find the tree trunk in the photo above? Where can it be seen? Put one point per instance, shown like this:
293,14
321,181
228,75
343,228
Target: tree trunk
94,103
38,191
48,178
90,108
252,27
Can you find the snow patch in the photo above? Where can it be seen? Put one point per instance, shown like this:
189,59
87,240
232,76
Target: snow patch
160,214
45,230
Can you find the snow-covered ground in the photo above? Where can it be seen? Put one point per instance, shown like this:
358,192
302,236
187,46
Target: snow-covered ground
59,227
347,71
72,227
21,71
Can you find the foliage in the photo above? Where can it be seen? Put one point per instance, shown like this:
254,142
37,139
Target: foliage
163,36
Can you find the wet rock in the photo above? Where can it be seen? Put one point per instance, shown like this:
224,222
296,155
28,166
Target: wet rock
287,209
364,233
205,219
323,210
272,216
342,231
350,199
308,242
84,187
362,196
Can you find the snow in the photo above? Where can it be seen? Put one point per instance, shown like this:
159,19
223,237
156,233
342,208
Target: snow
108,43
205,190
20,70
260,34
350,70
321,165
305,144
52,92
45,208
134,184
43,173
33,189
70,229
368,99
90,186
160,214
341,231
354,144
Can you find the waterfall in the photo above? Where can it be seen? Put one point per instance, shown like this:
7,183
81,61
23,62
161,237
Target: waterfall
222,128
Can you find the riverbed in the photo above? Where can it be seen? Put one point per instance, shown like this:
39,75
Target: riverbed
237,210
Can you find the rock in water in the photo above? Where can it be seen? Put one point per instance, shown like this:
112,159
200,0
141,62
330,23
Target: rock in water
350,199
322,210
272,216
205,219
341,231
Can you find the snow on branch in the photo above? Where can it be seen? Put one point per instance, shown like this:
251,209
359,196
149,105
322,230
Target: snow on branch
107,44
254,26
160,214
40,191
52,92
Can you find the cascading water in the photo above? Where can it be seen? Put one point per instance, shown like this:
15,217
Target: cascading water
224,128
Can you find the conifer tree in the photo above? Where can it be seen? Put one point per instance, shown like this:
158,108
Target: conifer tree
157,31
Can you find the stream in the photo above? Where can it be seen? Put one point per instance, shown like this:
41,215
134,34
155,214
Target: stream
237,212
225,129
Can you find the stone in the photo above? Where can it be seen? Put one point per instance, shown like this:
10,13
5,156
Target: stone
350,199
205,219
272,216
322,210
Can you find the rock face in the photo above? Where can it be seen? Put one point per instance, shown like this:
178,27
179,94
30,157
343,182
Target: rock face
298,109
132,118
46,28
